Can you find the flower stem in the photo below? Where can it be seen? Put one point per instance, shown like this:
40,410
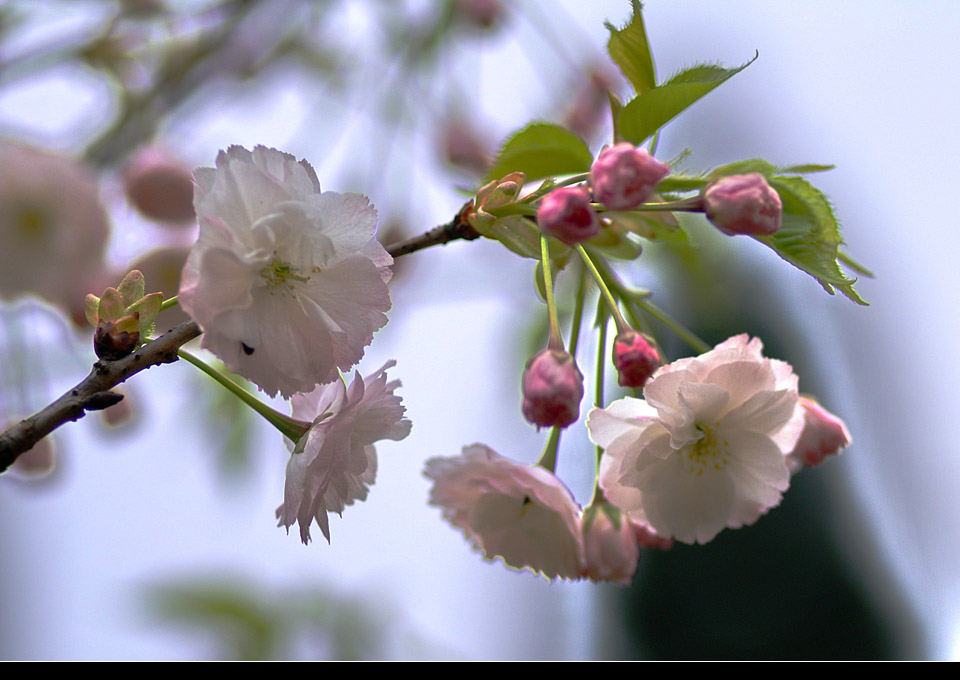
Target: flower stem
556,340
289,427
641,300
578,315
622,324
601,366
548,459
167,304
682,331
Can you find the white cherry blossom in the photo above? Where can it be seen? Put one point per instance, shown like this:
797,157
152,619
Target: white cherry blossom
706,448
287,283
334,462
519,513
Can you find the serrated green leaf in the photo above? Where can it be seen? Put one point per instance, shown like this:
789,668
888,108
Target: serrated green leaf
630,51
541,150
806,169
758,165
653,109
809,236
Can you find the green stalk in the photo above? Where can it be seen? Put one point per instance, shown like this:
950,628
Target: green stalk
291,428
622,324
548,460
578,315
556,340
167,304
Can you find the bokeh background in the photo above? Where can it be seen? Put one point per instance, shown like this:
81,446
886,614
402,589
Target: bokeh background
157,538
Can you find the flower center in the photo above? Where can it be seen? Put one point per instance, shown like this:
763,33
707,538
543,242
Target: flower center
281,275
32,224
707,452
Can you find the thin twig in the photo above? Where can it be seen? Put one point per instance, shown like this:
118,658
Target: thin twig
457,228
92,393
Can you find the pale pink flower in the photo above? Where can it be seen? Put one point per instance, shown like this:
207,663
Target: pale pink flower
610,546
287,283
53,228
334,462
824,434
520,513
706,448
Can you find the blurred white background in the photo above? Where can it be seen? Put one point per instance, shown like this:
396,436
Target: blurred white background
867,86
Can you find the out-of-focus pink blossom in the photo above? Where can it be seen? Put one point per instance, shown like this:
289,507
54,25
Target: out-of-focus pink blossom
334,462
53,228
160,187
520,513
552,389
743,204
287,283
824,434
624,176
610,546
707,446
566,214
636,358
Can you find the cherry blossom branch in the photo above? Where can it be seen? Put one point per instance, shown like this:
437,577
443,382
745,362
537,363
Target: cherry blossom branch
93,392
457,228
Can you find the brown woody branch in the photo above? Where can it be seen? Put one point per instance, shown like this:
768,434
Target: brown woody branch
93,393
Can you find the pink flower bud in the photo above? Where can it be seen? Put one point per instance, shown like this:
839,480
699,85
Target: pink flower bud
611,551
624,176
635,357
566,214
824,434
552,389
160,187
743,204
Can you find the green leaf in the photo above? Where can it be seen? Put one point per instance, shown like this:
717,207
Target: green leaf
132,287
681,184
630,50
517,233
758,165
809,236
653,109
806,169
542,150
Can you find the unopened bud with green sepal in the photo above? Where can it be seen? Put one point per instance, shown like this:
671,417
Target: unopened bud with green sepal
124,316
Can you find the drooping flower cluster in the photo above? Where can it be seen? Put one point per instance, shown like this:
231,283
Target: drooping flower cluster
287,283
334,462
707,446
